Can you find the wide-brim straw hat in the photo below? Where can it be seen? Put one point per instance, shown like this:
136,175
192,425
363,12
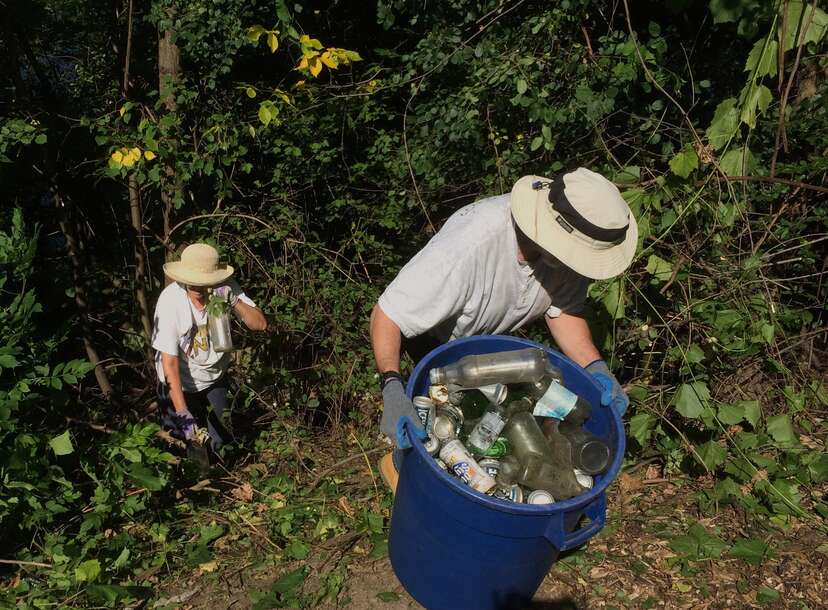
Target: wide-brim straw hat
580,218
198,266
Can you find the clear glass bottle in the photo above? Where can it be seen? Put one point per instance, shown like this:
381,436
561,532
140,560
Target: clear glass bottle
486,431
541,465
517,366
590,454
219,328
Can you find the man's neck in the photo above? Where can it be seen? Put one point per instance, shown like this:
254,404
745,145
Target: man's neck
527,251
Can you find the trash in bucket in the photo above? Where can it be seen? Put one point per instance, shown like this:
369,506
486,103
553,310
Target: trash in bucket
483,532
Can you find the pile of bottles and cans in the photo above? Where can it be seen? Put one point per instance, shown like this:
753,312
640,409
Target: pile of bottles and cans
506,426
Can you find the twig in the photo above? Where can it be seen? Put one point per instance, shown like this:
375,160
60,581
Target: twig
772,222
802,185
676,268
780,128
341,463
18,562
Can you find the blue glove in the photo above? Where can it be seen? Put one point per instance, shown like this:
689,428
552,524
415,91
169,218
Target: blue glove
611,393
404,426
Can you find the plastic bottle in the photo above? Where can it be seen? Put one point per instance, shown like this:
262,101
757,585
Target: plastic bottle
517,366
555,400
590,454
541,465
486,431
218,326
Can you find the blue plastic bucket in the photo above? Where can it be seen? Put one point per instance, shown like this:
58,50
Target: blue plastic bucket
453,548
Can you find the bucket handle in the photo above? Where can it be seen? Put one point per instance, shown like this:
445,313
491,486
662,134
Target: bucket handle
595,510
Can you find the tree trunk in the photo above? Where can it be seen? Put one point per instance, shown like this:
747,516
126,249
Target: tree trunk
169,67
79,285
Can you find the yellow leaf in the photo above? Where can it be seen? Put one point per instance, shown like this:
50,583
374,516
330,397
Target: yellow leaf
303,64
253,33
118,156
210,566
122,110
299,84
329,59
272,41
315,66
149,155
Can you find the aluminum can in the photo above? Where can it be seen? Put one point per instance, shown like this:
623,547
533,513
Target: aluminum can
498,449
441,464
432,445
584,480
491,466
510,493
540,496
462,464
426,411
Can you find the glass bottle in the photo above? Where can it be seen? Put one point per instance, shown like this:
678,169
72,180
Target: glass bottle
517,366
541,465
589,453
486,431
218,326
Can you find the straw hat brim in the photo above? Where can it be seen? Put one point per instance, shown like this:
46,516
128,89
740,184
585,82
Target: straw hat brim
589,257
181,273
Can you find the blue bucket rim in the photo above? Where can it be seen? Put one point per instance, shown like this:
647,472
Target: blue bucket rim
505,505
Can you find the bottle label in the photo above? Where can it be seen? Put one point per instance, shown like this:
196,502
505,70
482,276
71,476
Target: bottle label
486,431
556,402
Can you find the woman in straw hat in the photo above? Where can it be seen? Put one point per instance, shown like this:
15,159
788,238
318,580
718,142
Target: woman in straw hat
192,385
498,264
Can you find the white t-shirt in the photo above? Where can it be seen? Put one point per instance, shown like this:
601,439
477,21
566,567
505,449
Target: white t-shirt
468,280
180,329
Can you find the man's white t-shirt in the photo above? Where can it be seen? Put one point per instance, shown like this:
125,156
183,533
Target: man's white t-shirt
467,280
180,329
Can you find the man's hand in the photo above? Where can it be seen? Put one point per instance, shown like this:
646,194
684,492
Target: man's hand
612,395
226,292
184,423
395,404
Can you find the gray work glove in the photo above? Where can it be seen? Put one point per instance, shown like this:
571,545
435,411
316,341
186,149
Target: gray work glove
612,395
395,404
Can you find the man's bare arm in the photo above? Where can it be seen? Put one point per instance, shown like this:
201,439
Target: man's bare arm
573,336
172,375
386,339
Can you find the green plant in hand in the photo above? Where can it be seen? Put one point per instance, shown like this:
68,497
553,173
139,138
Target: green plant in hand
217,306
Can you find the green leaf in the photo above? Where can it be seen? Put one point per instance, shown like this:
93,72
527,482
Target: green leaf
251,92
522,86
641,427
712,454
121,559
780,428
691,399
537,142
108,594
698,544
88,571
756,101
272,42
725,11
818,469
763,58
694,354
388,596
144,477
684,162
289,582
614,299
738,162
210,532
731,414
62,444
659,268
752,411
7,361
724,123
798,15
297,549
766,595
751,550
40,139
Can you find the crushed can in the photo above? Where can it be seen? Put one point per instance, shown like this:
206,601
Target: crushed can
540,496
491,466
510,493
439,394
464,466
432,446
444,429
584,480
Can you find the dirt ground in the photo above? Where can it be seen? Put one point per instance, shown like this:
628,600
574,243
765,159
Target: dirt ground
628,565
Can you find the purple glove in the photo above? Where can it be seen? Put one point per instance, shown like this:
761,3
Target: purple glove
184,423
226,292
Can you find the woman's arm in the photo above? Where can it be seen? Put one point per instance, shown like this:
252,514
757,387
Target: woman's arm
253,317
172,375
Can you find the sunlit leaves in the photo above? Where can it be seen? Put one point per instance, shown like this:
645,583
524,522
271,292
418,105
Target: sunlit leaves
254,32
659,268
128,157
762,58
315,56
62,444
738,162
724,124
691,399
755,100
272,41
684,162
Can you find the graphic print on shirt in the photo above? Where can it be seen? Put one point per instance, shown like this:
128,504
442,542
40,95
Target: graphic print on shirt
196,342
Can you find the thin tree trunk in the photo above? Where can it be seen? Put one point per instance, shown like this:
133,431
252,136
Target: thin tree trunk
169,68
79,285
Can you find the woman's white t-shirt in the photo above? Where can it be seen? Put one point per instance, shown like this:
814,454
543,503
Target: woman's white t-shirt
180,329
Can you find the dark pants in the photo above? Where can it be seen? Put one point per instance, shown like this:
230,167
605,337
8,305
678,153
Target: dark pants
207,405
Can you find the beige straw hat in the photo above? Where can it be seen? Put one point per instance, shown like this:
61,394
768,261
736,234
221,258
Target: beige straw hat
198,267
580,218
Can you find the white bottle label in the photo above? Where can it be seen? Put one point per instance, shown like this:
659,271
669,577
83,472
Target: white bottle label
486,431
556,402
